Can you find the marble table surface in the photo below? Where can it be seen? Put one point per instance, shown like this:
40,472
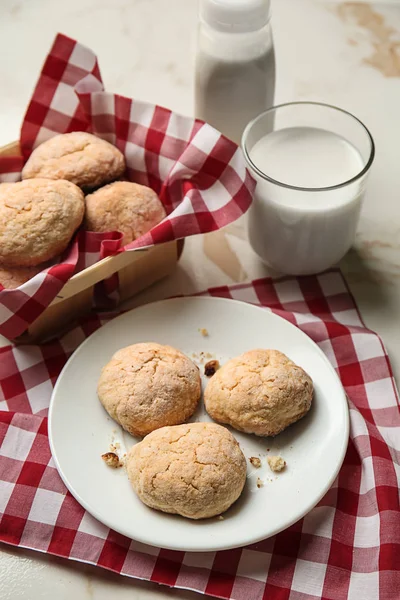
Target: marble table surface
347,54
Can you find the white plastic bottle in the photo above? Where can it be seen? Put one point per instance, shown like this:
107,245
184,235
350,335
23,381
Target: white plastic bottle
235,64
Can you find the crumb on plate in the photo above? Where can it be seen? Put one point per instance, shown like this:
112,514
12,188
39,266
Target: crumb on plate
260,483
211,367
111,459
276,463
203,331
221,518
114,447
256,462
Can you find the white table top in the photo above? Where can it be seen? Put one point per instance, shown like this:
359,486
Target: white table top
343,54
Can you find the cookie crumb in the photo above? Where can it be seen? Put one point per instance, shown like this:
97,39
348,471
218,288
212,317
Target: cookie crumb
220,518
211,367
276,463
203,331
111,459
114,447
260,483
256,462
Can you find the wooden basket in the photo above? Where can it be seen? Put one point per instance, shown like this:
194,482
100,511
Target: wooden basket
136,271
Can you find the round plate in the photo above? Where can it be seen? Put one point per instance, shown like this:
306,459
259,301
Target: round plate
80,430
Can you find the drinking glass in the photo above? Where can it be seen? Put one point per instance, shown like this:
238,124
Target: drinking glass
298,229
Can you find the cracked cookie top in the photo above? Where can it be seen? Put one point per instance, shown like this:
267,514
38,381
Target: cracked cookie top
196,470
261,392
38,218
146,386
83,158
123,206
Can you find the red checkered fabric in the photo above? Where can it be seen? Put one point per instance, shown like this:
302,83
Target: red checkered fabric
200,175
348,547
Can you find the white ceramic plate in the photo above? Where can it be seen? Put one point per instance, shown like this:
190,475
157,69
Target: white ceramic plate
80,430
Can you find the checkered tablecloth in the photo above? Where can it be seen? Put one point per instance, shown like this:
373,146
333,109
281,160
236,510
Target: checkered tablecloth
348,547
199,175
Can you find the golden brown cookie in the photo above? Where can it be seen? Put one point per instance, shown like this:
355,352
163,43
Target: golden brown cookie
83,158
38,218
261,392
147,386
196,470
123,206
13,277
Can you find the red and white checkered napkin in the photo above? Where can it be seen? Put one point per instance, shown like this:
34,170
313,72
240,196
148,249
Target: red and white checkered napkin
200,176
348,547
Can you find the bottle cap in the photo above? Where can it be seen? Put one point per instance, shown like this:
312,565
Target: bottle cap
238,16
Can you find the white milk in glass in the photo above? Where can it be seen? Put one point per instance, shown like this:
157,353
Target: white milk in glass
304,231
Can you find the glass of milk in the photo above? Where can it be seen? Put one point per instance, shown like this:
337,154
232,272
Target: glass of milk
311,163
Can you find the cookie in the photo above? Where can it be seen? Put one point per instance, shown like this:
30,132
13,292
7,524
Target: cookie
261,392
13,277
38,218
123,206
79,157
196,470
147,386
